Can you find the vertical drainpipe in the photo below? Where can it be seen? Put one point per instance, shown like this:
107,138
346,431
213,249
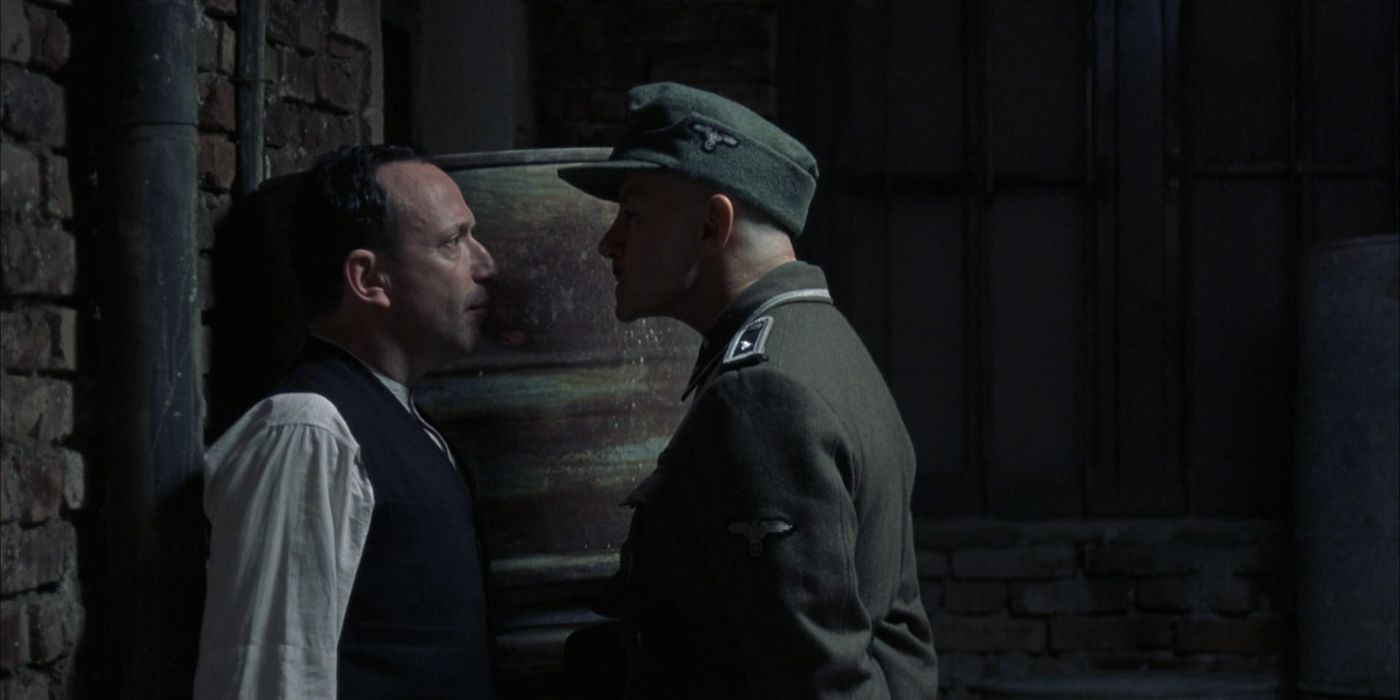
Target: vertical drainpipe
252,32
152,405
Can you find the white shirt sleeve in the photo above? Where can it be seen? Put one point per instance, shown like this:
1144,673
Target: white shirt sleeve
289,503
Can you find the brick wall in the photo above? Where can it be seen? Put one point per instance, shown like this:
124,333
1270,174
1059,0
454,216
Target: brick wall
52,58
43,460
585,55
1017,599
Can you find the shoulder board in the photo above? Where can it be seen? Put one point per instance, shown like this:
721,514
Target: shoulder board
747,346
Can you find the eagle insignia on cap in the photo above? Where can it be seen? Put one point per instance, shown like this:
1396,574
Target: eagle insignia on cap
755,531
713,137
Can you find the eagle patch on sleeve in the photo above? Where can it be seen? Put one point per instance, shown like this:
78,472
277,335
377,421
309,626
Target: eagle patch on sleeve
756,531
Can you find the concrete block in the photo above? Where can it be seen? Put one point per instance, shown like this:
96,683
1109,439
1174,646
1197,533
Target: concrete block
1261,635
1110,633
988,634
221,8
1164,594
208,31
32,106
932,565
974,597
36,408
36,259
1141,559
1036,562
954,535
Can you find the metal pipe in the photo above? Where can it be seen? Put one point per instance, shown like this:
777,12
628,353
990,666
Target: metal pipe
252,42
151,402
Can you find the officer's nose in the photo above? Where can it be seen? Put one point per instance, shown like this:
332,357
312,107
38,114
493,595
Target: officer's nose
610,246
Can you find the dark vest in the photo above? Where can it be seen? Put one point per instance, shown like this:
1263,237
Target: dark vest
416,626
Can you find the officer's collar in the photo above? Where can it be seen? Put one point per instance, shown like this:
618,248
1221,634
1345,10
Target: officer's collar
784,278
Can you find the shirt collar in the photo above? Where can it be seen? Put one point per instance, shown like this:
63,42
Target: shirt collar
395,387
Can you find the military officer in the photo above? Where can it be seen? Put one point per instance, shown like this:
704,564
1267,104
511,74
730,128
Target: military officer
771,552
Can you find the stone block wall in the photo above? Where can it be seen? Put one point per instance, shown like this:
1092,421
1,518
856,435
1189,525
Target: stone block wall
585,55
1010,600
44,436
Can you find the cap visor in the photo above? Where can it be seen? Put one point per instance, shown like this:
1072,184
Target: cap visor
603,180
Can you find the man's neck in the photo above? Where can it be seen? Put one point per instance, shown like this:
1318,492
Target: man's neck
376,351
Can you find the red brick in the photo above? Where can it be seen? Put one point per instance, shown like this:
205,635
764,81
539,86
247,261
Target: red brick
36,259
1265,635
36,408
14,635
52,42
296,76
209,215
52,626
285,125
208,33
38,338
221,8
974,597
36,557
14,32
1036,562
31,105
218,162
988,634
1110,633
58,193
34,475
20,180
74,480
217,105
338,83
32,686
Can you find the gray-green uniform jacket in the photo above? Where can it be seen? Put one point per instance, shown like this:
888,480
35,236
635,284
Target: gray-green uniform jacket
771,552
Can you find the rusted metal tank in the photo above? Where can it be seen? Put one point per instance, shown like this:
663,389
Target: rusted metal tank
561,409
1348,478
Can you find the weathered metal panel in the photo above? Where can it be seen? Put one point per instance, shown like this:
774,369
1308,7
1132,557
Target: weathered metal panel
561,408
1240,345
1035,439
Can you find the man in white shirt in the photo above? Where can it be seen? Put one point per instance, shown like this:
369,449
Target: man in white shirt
344,555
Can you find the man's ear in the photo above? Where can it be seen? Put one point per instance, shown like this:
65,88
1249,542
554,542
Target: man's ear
718,225
365,278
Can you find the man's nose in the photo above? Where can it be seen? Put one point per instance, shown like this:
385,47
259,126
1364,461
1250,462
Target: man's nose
483,265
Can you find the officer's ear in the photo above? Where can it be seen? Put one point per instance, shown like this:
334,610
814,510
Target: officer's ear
718,224
366,280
